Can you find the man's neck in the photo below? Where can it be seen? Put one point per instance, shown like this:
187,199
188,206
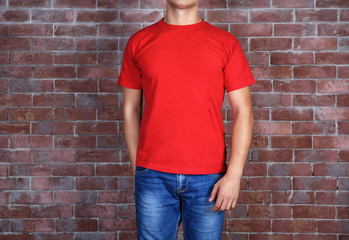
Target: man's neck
180,16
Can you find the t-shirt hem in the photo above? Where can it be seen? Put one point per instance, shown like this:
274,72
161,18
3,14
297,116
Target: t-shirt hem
181,171
245,84
128,85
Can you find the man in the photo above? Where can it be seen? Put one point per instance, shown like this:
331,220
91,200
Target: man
177,150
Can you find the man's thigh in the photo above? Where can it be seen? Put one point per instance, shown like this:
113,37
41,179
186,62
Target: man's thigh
157,205
199,222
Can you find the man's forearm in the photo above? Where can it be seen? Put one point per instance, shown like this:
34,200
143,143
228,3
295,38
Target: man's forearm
132,118
241,141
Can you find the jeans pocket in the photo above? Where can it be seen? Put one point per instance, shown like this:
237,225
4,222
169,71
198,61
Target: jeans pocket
216,175
141,170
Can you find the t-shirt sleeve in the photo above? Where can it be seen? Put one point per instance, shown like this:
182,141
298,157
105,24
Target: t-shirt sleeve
130,75
237,72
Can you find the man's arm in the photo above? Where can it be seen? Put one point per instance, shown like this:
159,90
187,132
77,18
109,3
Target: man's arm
228,186
132,110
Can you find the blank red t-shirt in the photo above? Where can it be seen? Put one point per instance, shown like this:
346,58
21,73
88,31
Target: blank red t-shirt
183,71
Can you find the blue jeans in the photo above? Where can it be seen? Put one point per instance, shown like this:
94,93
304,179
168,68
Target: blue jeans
163,200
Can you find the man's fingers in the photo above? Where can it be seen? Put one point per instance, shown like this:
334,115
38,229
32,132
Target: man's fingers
213,193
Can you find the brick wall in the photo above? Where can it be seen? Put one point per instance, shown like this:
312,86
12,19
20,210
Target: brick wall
64,170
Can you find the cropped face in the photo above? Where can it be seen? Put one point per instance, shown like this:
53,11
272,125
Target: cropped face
183,3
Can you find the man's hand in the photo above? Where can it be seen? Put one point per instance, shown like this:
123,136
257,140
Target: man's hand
227,189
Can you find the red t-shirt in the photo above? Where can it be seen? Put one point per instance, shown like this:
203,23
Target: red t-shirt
183,71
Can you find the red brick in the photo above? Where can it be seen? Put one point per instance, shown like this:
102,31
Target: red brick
54,72
292,114
15,236
31,141
227,16
271,155
257,58
285,225
331,114
249,4
53,156
73,114
15,212
249,225
313,212
14,128
13,71
73,170
113,170
314,183
140,16
270,44
76,197
31,86
75,58
331,169
343,128
31,4
315,44
97,72
98,128
255,169
269,211
15,15
117,224
4,59
343,72
332,197
291,141
31,30
314,128
126,211
299,86
314,72
56,236
116,197
318,155
14,156
272,128
271,99
291,58
331,58
100,44
56,128
293,197
74,4
32,225
52,183
30,169
31,114
333,226
97,183
343,212
212,4
294,29
76,225
343,156
270,72
333,86
75,141
110,114
76,30
331,141
285,169
271,15
344,15
293,4
316,15
314,100
118,30
270,183
331,3
96,16
339,29
53,44
147,3
56,15
93,211
53,211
